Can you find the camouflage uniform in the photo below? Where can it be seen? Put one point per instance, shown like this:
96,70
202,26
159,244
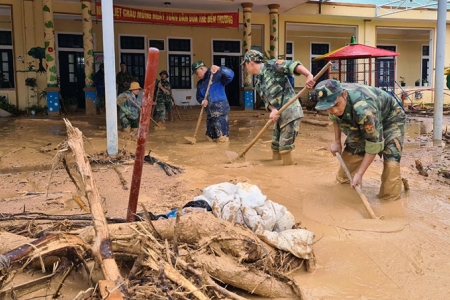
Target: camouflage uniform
275,89
129,113
123,81
374,123
163,99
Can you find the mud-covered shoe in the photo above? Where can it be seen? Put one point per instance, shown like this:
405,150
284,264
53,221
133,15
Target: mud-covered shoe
223,139
210,139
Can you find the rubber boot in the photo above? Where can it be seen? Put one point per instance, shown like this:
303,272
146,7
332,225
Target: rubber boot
286,156
352,161
391,181
170,117
276,155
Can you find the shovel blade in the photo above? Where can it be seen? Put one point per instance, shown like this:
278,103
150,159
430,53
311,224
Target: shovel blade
233,156
191,140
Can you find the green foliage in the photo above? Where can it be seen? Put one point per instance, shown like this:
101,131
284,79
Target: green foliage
46,8
31,82
38,53
48,24
5,105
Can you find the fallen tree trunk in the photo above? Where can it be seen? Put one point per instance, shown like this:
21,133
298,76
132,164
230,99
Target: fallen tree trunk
102,247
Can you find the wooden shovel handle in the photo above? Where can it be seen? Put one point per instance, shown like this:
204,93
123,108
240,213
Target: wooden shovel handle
357,188
295,98
201,110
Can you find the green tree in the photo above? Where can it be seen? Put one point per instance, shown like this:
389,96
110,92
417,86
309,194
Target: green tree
38,53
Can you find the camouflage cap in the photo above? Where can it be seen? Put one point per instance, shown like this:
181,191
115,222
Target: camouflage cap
253,55
327,92
197,65
164,72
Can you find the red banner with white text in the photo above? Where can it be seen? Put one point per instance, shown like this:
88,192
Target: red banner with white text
128,14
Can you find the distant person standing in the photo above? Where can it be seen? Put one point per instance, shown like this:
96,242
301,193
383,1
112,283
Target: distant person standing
216,104
99,81
123,79
163,96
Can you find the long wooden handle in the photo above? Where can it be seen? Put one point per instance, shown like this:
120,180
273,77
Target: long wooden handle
201,110
295,98
357,188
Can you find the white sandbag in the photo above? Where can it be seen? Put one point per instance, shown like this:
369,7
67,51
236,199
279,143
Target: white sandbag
250,194
296,241
284,218
219,193
4,113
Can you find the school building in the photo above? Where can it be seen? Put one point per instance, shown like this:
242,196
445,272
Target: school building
50,48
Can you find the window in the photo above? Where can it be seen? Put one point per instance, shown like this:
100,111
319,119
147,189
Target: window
318,49
132,42
70,40
385,69
180,63
425,64
133,53
158,44
6,60
227,46
289,51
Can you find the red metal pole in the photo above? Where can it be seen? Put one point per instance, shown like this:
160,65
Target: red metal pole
144,124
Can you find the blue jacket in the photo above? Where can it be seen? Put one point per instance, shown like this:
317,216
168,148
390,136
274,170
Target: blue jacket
217,89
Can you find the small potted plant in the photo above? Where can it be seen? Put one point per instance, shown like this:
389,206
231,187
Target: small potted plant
417,83
402,81
70,103
425,82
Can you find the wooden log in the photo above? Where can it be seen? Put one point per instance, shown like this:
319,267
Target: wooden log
229,271
197,228
102,248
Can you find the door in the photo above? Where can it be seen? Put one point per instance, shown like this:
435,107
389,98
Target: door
71,75
232,89
135,65
384,68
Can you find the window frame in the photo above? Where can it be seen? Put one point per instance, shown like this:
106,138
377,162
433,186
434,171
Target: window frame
183,73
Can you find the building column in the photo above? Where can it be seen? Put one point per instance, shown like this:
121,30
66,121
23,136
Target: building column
49,42
273,29
248,92
88,45
32,98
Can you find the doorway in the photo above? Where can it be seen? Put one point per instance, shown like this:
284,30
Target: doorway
232,89
72,76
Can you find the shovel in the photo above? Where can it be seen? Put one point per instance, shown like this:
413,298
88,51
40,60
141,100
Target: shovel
233,156
357,188
194,139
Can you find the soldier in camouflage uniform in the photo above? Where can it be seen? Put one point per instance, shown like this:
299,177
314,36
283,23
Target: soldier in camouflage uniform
130,103
374,123
275,89
123,79
163,96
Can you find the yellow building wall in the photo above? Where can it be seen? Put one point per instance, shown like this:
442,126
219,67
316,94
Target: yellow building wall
27,23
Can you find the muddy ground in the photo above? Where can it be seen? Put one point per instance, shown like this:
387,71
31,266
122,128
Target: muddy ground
404,256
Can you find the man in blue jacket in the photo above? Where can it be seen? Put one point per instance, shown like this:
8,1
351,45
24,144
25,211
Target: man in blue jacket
216,104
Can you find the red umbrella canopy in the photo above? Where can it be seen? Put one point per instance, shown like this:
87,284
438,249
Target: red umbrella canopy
356,51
